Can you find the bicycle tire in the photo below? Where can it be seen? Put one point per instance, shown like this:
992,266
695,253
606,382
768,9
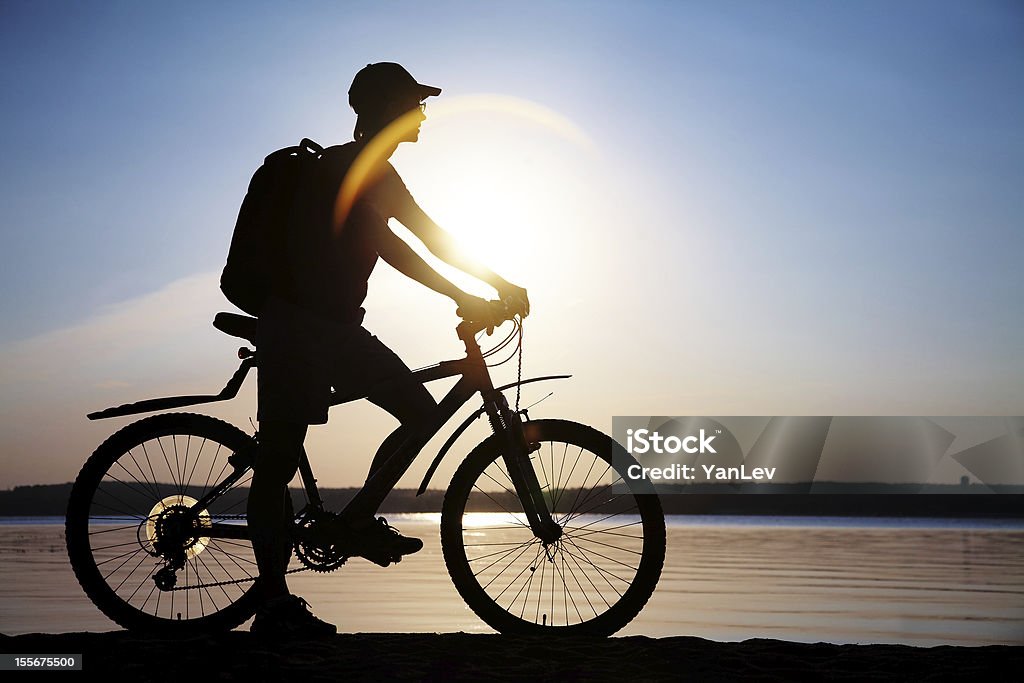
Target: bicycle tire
599,546
111,509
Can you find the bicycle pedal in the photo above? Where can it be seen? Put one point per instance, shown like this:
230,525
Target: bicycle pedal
382,561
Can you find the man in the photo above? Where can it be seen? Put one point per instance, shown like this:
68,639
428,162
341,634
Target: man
310,335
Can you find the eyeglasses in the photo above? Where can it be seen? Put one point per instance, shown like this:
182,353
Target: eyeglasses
400,105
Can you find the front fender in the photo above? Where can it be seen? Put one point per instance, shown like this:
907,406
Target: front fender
465,425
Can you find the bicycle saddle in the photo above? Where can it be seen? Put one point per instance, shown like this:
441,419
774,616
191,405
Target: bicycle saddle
236,325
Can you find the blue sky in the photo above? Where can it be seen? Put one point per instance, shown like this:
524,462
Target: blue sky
785,207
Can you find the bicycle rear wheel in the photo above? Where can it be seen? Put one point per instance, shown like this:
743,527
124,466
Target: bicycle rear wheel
594,579
128,516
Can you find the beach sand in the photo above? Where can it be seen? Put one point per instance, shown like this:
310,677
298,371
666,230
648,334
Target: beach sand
461,656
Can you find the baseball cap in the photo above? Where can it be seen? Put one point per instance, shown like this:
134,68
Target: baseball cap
374,82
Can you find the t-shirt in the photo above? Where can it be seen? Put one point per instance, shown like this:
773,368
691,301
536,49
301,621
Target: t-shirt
329,265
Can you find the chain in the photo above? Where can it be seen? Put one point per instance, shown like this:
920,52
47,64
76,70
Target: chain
232,582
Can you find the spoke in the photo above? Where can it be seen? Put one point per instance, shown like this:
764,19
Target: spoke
196,463
118,557
130,574
150,595
187,601
156,482
589,580
121,514
478,545
561,468
117,545
610,530
226,573
609,516
507,566
576,499
540,458
213,463
573,512
503,553
601,570
199,579
178,464
152,484
216,545
512,514
526,583
554,505
515,578
145,485
551,613
223,588
231,541
100,489
540,590
175,481
584,550
566,594
607,545
507,490
117,528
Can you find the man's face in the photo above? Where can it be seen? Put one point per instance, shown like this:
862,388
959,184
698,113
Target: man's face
408,106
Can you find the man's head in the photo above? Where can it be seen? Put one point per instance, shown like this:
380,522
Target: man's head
383,92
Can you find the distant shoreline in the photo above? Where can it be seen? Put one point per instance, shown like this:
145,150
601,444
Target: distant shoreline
828,500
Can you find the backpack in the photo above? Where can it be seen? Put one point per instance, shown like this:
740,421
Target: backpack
257,259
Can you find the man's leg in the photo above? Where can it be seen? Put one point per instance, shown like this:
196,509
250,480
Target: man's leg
276,462
411,405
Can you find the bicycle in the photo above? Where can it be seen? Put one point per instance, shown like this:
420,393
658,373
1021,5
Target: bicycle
532,544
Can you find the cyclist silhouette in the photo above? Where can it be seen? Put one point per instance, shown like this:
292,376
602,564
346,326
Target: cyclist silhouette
310,335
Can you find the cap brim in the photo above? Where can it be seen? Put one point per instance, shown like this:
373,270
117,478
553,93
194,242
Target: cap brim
427,90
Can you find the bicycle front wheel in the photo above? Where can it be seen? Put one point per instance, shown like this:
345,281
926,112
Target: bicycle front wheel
135,542
596,577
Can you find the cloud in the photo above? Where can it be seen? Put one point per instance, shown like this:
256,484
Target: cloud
121,338
156,344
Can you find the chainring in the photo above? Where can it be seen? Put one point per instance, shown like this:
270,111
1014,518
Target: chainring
316,545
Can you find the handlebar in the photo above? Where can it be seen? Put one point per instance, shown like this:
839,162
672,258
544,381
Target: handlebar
500,312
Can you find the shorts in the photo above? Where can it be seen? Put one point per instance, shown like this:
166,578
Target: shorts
302,356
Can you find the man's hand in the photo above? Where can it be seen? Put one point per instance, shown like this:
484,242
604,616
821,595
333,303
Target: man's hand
481,311
515,298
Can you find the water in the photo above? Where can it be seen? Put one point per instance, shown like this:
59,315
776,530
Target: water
840,580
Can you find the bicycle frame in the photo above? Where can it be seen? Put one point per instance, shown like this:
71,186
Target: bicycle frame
474,377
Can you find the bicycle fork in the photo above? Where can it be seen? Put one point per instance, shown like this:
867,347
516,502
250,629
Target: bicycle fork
516,455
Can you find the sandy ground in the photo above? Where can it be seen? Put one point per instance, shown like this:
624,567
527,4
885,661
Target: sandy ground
461,656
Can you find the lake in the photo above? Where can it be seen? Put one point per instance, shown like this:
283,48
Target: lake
840,580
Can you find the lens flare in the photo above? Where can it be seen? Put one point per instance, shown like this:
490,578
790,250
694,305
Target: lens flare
369,163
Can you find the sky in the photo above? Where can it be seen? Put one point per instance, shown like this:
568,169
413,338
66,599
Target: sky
727,208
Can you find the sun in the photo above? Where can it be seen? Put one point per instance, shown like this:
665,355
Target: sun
501,175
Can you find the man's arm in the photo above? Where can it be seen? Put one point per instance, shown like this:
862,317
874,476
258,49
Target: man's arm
402,258
443,245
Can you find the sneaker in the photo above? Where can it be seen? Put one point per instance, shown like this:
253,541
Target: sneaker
380,543
289,616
